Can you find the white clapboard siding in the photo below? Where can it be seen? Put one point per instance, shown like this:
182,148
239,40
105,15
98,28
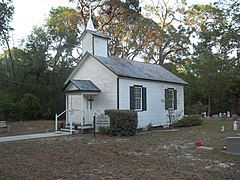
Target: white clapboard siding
156,113
75,102
104,79
87,43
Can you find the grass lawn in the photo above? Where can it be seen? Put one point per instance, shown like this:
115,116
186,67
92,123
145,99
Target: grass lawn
28,127
156,154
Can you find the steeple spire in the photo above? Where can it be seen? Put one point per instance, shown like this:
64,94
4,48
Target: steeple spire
90,25
96,43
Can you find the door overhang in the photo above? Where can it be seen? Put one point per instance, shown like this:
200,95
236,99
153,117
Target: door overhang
85,87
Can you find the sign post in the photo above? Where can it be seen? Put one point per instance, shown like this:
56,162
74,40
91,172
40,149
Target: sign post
110,127
94,126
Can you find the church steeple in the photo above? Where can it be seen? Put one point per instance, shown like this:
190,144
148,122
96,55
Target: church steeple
90,25
94,42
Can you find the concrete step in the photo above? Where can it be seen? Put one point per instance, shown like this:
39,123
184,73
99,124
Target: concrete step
79,129
85,126
67,130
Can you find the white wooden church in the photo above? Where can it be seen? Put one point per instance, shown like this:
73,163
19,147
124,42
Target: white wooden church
101,81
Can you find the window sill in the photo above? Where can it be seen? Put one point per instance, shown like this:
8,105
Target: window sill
138,110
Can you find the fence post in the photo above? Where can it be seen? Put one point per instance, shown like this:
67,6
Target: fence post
70,116
56,122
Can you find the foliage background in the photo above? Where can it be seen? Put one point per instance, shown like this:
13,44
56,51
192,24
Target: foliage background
199,43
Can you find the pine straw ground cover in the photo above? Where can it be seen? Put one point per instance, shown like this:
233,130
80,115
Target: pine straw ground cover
156,154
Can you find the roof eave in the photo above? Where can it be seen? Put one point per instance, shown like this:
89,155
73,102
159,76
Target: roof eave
184,83
94,33
81,91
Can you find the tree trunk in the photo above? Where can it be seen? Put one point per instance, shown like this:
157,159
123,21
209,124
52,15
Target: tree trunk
235,103
209,106
10,56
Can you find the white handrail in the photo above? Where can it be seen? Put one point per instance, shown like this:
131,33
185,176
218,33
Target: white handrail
83,116
61,113
56,119
70,118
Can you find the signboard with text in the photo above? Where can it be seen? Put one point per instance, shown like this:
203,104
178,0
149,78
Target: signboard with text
102,120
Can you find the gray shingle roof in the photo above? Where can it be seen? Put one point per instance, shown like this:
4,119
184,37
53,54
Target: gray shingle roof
99,34
83,86
139,70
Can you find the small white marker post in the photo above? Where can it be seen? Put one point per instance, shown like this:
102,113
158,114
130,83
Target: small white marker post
222,128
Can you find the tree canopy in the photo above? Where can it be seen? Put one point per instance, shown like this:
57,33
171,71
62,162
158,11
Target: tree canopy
199,43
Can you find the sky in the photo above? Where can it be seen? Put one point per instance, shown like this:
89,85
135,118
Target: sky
30,13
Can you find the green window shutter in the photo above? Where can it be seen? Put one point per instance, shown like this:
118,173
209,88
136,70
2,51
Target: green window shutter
166,99
175,99
131,97
144,99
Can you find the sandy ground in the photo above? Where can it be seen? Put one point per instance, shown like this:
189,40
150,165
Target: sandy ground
156,154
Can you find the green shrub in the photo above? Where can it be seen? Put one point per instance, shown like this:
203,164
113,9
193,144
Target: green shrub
9,108
188,121
195,109
124,122
103,130
13,108
149,127
30,106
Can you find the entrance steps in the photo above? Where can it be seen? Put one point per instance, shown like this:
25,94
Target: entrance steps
78,129
67,130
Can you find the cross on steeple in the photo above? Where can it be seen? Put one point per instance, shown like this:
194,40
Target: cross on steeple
90,25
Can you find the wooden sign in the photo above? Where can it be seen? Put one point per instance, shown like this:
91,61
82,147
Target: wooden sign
102,120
